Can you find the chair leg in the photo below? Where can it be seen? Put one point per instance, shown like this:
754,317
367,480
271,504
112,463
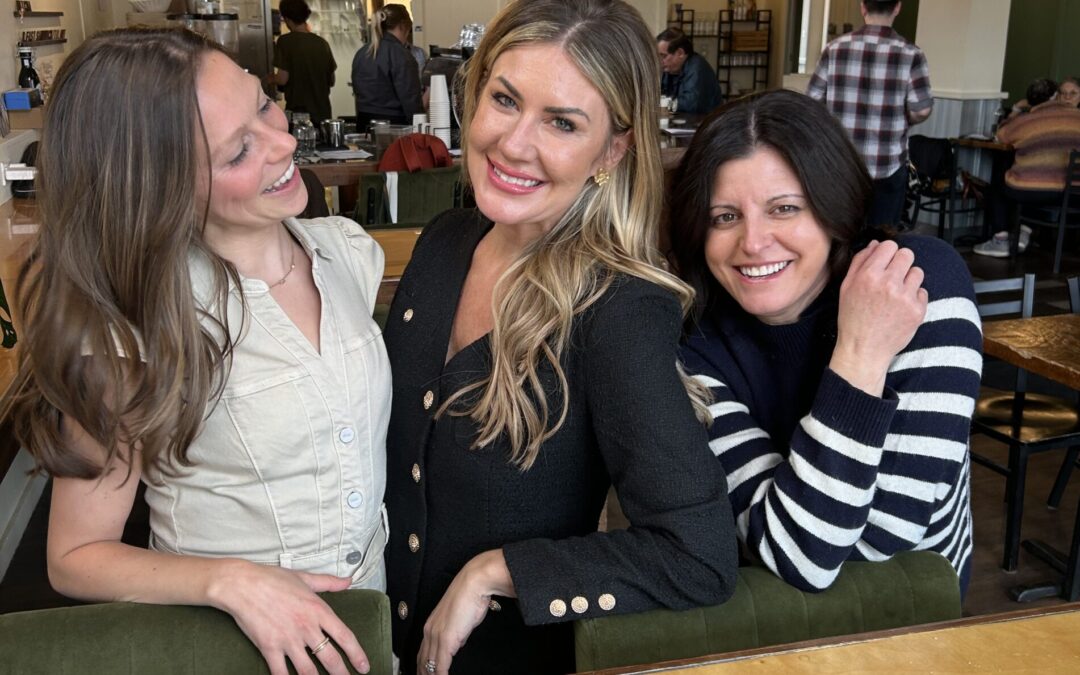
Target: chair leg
915,211
1062,480
1071,588
1060,241
1014,505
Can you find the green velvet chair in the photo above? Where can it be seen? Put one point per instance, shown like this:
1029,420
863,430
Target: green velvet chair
119,637
912,588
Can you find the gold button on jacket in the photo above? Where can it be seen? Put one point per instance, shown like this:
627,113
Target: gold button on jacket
579,605
429,398
606,602
414,543
415,473
408,315
403,610
557,608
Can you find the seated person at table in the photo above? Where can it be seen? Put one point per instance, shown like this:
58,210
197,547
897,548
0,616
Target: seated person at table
844,373
534,344
1068,90
1041,140
183,329
687,77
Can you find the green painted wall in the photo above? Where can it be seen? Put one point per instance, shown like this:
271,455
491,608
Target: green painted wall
1042,42
907,20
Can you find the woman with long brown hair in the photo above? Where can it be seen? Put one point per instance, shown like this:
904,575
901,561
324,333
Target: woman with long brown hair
534,343
183,329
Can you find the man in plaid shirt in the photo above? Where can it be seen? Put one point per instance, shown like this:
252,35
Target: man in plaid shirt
877,84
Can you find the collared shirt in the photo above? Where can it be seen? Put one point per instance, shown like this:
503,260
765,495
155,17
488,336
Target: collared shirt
871,80
290,466
1042,139
695,88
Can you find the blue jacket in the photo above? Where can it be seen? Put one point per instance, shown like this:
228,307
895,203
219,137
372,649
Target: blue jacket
695,88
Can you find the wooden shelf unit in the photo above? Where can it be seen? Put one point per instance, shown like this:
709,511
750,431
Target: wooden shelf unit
736,47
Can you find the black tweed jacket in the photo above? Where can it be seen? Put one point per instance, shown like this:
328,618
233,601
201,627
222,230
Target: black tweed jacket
630,423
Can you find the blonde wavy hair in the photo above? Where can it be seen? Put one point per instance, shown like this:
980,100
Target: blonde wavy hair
610,229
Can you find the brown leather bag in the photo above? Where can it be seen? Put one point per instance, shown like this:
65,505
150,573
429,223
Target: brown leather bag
415,152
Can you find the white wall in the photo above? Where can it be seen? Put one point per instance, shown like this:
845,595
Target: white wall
964,42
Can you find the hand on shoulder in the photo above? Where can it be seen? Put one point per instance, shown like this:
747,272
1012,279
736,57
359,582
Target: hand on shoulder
882,304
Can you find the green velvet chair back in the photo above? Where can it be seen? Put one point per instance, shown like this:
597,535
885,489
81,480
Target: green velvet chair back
121,638
421,196
912,588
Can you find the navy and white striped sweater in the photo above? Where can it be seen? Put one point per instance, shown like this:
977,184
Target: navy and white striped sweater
820,472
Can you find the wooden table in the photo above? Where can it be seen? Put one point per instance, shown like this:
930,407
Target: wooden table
1032,641
1048,346
1045,345
347,173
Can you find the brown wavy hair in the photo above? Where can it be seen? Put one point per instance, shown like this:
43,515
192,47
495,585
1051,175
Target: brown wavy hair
610,229
110,326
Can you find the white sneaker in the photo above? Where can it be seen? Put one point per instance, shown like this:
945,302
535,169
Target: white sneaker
996,247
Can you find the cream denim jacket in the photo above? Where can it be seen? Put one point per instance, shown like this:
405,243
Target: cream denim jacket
290,466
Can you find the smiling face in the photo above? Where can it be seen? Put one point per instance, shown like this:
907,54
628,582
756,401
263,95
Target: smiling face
539,133
765,246
1070,93
254,181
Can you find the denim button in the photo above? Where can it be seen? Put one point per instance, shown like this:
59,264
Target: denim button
355,499
354,557
347,435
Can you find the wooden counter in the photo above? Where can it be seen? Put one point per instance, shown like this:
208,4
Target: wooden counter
1033,641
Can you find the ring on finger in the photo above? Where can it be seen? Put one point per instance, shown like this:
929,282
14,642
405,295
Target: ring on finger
321,646
429,666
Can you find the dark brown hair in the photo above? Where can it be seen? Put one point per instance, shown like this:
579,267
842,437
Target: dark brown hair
111,332
811,141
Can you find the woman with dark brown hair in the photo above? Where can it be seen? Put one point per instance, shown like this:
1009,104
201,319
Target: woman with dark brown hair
182,328
844,369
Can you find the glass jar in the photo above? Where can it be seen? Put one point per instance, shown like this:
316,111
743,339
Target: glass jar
304,131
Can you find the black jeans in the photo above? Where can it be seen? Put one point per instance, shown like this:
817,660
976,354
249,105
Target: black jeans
1003,206
887,201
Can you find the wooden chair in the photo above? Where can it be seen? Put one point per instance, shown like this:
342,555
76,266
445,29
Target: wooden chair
1054,500
1026,422
936,188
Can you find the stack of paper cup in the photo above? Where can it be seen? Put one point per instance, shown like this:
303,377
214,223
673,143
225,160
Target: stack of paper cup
419,120
439,108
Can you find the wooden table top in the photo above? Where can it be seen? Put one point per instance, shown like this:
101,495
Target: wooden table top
1032,641
984,143
1046,345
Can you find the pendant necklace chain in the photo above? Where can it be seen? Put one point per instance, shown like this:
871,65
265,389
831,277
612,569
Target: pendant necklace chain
292,266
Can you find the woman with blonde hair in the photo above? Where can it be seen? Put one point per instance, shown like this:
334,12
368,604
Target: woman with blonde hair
534,343
385,76
183,329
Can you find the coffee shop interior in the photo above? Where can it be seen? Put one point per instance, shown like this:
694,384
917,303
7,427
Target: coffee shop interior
981,53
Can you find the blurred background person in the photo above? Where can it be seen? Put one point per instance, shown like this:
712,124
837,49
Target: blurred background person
687,77
385,76
304,65
1041,139
876,64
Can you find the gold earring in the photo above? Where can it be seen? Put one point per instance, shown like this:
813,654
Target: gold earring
602,176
